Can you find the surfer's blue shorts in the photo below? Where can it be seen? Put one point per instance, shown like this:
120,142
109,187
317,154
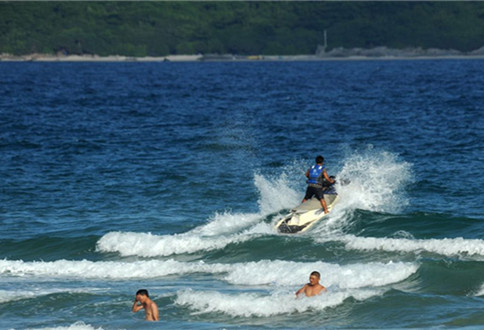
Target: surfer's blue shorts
314,191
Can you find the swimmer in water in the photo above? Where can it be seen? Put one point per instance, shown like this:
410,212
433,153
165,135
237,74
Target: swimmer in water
151,309
312,288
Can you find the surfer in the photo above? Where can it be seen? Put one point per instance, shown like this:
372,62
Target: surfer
316,175
313,287
151,309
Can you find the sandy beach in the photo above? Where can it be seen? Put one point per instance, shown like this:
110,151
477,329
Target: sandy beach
230,57
96,58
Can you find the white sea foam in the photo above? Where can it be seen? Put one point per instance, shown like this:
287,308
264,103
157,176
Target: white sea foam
283,273
376,179
14,295
275,281
480,292
149,245
444,246
106,269
276,273
259,305
275,194
75,326
226,223
221,230
6,296
376,183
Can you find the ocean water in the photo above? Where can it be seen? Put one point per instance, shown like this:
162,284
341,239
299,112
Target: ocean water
170,177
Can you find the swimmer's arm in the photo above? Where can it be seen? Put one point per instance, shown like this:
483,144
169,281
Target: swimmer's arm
301,290
136,307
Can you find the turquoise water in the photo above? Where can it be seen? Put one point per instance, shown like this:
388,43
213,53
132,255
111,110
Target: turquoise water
170,177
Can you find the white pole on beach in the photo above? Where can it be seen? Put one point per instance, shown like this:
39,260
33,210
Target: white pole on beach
325,40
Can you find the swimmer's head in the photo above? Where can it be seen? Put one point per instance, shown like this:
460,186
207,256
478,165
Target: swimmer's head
315,273
319,159
143,292
314,278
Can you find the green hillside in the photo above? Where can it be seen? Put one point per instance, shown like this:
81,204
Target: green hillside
266,28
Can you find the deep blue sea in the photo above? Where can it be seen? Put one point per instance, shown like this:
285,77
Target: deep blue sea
170,177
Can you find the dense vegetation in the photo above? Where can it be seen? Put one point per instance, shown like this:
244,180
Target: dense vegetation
162,28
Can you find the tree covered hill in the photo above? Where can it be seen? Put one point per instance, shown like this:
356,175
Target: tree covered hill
245,28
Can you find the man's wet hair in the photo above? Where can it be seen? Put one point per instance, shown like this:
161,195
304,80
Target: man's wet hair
317,274
143,292
319,159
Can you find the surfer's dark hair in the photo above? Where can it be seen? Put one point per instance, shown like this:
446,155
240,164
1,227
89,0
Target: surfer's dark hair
143,292
317,274
319,159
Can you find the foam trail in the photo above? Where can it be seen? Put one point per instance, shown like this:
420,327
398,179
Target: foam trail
223,229
149,245
445,246
254,304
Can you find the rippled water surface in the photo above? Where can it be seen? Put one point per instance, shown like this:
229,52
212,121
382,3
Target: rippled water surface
170,177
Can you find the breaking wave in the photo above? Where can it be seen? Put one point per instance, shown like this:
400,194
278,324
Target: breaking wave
264,272
259,305
449,247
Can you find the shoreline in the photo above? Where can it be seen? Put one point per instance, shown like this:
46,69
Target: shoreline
222,58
